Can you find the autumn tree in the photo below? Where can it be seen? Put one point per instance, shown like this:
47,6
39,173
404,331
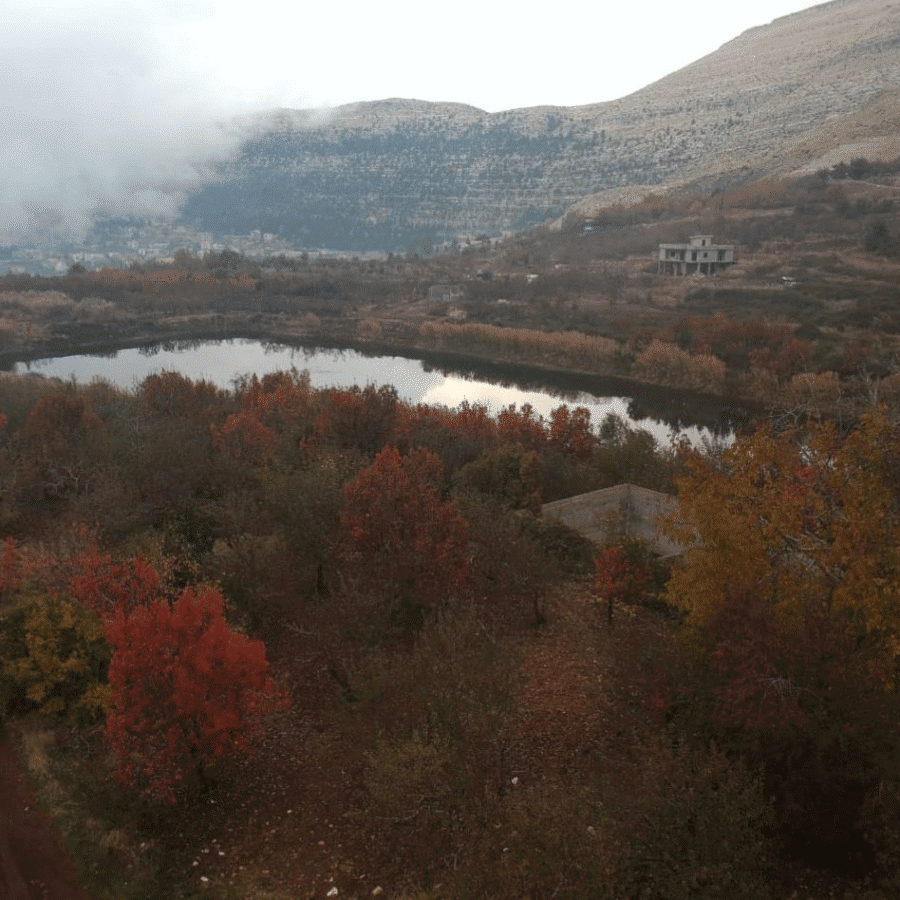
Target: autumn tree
188,693
522,426
457,436
53,659
169,395
304,502
275,413
168,448
570,431
741,343
619,577
58,423
791,594
357,418
56,444
398,540
53,655
506,473
103,584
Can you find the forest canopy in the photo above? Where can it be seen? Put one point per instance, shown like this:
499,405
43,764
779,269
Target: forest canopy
226,599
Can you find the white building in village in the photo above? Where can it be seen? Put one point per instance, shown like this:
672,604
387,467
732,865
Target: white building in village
698,257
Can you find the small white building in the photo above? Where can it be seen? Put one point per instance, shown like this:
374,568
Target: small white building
698,257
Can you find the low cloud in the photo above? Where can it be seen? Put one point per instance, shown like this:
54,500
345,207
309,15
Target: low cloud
94,116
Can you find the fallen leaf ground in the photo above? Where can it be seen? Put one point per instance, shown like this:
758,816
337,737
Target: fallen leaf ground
299,822
302,824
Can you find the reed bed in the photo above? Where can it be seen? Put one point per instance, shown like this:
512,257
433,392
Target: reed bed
571,349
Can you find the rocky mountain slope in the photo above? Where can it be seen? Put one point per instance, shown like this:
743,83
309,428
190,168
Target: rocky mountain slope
794,95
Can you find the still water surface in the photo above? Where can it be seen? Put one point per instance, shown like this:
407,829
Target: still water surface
416,381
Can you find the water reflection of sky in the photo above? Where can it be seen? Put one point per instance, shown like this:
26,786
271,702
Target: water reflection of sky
222,362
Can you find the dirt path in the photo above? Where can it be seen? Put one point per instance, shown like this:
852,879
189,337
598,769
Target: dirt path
561,709
34,864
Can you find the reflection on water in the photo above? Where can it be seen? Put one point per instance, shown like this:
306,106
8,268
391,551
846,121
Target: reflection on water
443,380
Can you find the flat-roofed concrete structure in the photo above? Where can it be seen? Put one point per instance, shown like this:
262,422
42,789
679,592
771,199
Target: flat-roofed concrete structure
625,510
698,257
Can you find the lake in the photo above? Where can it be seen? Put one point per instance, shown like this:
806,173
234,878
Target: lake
436,380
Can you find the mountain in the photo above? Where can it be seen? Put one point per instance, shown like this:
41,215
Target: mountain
795,95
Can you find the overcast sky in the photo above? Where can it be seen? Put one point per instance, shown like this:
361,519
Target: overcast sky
113,103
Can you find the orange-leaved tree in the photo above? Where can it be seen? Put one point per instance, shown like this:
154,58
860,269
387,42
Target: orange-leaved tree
791,591
570,431
189,695
276,412
806,521
398,540
522,426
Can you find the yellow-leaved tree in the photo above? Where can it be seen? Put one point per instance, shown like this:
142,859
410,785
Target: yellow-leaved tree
53,659
791,597
806,520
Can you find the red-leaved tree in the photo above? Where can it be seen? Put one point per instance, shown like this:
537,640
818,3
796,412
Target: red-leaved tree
188,694
397,539
101,583
620,577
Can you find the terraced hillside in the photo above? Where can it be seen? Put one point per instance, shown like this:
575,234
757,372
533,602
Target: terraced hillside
801,92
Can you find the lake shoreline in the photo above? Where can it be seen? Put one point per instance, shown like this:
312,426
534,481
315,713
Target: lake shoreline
502,368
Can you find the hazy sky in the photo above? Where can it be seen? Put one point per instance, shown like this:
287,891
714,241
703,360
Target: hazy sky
113,102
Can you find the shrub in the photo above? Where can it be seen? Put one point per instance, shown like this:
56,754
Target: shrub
505,562
505,473
663,363
817,389
879,240
700,833
566,551
442,712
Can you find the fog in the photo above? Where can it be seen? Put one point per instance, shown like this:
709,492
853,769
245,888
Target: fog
95,116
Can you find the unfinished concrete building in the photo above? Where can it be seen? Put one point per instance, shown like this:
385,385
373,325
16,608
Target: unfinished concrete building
698,257
621,511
